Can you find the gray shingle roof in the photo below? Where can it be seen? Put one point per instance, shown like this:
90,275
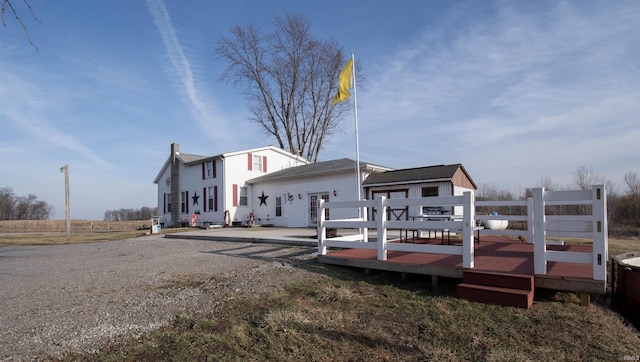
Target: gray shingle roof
188,157
428,173
313,169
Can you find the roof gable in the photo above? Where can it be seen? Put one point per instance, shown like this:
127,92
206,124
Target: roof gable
191,159
185,158
418,174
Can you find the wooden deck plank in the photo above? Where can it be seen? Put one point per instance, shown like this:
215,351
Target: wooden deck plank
496,256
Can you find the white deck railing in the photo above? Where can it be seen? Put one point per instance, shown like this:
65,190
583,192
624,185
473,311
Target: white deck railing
592,226
539,226
465,225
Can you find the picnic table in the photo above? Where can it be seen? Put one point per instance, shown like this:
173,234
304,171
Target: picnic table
415,233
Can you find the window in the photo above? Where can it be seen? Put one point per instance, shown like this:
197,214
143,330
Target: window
183,201
210,205
278,205
243,196
257,163
430,191
210,169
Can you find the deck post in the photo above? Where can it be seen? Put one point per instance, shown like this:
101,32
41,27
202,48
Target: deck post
530,220
322,229
381,207
468,222
600,238
539,232
585,299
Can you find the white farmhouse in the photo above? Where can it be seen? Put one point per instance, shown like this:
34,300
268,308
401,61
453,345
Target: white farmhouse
215,187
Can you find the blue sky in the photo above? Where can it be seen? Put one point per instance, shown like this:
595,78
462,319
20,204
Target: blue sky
515,91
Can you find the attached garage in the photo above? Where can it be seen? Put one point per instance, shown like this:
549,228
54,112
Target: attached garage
291,195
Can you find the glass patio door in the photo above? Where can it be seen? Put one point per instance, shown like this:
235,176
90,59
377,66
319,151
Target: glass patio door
313,207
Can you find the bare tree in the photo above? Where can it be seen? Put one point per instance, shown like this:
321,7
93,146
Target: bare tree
633,182
7,203
585,177
123,214
23,207
7,5
547,183
288,78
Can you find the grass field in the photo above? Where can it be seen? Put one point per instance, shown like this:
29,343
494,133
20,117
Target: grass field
51,232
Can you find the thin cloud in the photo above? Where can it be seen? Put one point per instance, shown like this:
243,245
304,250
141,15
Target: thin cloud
181,67
551,90
30,107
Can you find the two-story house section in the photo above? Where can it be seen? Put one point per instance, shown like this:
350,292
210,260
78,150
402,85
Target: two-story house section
214,187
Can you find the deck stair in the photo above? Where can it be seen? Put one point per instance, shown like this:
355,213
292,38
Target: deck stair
514,290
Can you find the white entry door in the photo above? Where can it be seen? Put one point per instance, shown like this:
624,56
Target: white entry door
280,219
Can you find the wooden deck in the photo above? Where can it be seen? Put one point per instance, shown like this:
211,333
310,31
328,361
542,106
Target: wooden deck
494,253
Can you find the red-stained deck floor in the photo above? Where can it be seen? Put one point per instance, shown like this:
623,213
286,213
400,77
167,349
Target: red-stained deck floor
494,253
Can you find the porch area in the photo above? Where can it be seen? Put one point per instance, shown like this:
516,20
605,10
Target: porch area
495,265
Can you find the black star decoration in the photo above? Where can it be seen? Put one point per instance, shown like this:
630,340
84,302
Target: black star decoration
263,199
195,198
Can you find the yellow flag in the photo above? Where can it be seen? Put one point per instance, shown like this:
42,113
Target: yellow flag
346,76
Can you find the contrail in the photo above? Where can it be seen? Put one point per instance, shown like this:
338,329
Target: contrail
183,70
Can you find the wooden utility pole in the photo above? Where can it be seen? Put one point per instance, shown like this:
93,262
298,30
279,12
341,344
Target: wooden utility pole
65,169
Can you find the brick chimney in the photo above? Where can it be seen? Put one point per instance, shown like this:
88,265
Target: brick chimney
175,184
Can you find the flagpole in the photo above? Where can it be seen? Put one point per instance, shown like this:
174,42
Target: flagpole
355,112
361,211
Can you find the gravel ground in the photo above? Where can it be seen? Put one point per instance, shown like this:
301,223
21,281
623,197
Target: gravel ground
77,298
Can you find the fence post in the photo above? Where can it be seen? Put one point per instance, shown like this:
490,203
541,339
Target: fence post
381,207
530,224
468,222
539,233
600,233
364,231
322,229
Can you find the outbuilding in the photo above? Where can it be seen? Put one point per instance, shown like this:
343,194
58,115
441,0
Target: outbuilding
439,180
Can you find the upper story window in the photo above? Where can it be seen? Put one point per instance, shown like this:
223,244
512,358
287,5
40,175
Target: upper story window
257,163
210,166
209,169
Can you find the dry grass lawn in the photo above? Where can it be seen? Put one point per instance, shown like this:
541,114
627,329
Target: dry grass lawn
341,314
344,315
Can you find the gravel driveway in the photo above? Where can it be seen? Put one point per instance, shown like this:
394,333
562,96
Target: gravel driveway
77,298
